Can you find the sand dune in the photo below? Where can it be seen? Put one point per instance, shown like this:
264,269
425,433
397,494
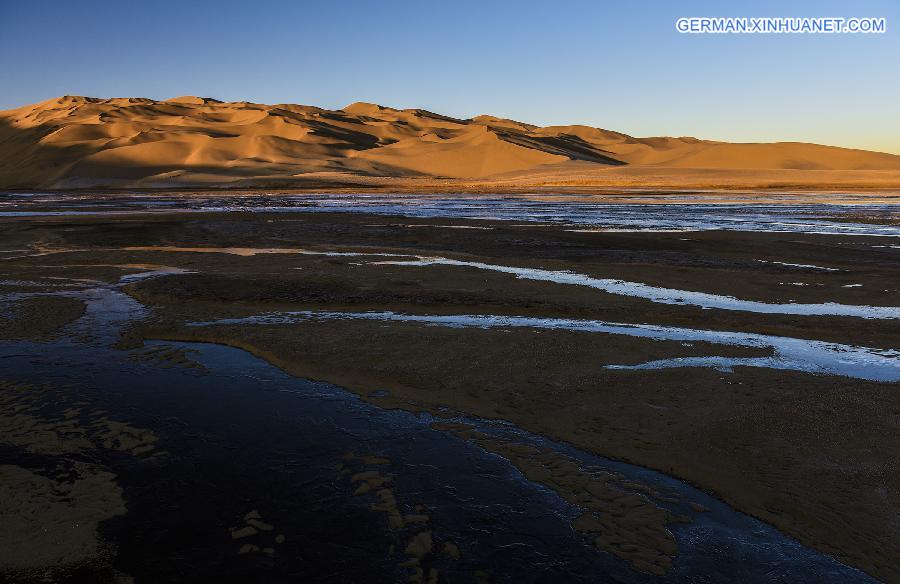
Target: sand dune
194,142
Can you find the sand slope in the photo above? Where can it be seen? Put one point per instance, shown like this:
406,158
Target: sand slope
75,142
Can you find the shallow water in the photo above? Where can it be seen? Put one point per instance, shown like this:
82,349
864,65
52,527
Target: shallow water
243,435
666,295
807,266
792,216
817,357
698,216
253,251
609,285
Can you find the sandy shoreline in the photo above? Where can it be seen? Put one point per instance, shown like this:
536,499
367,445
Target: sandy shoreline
804,189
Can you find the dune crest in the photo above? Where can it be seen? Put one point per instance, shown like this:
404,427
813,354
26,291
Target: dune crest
189,141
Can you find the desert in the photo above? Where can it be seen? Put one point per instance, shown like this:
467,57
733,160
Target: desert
507,292
76,142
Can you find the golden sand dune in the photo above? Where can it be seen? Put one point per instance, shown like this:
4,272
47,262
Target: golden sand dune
186,142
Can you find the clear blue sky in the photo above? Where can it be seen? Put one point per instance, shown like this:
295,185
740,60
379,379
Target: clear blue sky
618,65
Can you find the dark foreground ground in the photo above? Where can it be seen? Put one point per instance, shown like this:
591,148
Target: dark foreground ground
814,455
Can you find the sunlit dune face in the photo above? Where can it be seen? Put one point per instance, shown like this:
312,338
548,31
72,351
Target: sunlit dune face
192,141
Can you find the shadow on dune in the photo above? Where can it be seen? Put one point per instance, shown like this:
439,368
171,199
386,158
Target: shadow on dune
352,140
567,145
26,161
577,149
75,142
31,159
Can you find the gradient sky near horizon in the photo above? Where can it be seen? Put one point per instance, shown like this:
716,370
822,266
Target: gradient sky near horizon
615,65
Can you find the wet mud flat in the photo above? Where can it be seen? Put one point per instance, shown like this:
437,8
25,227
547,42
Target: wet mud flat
186,462
809,451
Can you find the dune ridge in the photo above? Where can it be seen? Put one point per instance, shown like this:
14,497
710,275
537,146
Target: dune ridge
76,142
